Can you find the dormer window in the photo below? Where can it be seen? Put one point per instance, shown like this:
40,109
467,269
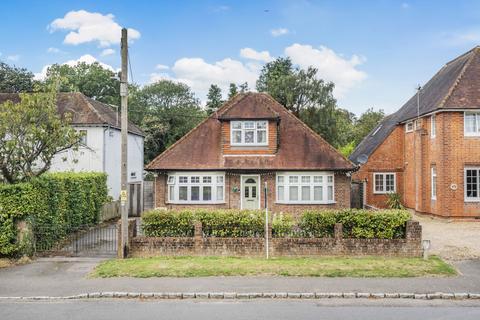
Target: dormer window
249,133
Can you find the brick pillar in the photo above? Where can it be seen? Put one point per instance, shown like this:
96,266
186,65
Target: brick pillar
413,235
198,237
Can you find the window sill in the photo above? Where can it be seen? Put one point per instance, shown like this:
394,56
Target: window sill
305,203
472,135
249,145
195,202
472,200
386,192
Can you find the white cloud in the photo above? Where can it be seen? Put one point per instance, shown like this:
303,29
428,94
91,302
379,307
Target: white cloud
331,66
161,67
13,57
87,27
461,38
87,58
405,5
53,50
252,54
107,52
279,32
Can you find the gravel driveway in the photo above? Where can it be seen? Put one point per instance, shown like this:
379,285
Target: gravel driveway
452,240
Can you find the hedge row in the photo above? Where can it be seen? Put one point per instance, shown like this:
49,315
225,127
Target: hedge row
55,205
383,224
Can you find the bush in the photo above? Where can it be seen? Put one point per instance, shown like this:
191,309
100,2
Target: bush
55,204
163,223
383,224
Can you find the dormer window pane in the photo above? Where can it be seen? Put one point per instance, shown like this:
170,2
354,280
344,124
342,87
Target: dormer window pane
262,136
253,133
236,125
237,136
249,125
261,124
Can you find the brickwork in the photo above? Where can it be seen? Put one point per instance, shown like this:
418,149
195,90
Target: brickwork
412,155
233,201
410,246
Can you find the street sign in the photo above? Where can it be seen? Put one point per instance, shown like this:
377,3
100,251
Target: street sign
123,197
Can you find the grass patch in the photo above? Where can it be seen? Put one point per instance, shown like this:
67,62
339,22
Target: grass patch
311,267
6,262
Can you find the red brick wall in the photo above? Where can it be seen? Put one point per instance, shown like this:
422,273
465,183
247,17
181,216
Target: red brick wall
388,157
412,156
232,199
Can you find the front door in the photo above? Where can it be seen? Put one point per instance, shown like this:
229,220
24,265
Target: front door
250,192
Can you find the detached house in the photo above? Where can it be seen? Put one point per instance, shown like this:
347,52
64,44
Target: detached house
251,142
100,146
429,150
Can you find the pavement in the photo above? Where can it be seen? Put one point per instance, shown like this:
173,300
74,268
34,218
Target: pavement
70,276
255,309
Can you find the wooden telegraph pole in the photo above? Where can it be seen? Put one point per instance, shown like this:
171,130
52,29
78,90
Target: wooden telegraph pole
124,105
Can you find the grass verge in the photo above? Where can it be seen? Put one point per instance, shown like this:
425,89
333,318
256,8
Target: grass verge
311,267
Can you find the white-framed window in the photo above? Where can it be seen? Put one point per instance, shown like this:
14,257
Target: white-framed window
305,187
409,126
83,137
384,182
434,182
433,126
417,124
472,184
471,123
196,187
249,133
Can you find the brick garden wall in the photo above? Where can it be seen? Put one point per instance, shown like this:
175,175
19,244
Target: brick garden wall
410,246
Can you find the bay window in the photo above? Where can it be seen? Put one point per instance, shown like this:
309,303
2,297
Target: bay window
305,188
472,184
196,188
384,183
249,133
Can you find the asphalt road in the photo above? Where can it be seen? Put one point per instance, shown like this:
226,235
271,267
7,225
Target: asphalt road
258,309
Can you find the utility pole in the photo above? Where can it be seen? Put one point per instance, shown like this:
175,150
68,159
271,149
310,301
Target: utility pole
124,105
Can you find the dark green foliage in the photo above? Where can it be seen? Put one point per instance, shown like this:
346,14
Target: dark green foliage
14,80
55,204
383,224
214,99
394,201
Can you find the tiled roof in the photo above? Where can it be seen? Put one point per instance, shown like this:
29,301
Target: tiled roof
300,148
455,86
84,110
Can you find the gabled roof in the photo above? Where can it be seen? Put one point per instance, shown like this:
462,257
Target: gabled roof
300,148
84,110
455,86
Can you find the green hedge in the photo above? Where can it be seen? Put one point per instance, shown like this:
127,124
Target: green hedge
55,204
383,224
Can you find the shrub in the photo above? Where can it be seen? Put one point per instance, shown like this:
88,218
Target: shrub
56,204
317,224
163,223
232,223
394,201
283,225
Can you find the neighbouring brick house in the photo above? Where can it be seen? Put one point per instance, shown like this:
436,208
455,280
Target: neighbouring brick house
429,155
251,141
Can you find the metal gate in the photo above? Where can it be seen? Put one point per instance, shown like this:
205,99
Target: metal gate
94,241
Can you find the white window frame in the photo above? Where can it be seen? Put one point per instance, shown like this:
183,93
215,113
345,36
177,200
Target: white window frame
433,182
325,184
243,129
173,179
477,124
417,124
384,184
471,199
407,125
433,126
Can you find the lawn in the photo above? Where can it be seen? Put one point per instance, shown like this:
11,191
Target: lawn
311,267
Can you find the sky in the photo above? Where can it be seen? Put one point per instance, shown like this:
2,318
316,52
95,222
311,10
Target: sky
376,52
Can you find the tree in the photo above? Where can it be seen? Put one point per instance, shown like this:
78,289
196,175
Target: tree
214,99
170,111
366,123
14,80
92,80
243,87
271,73
232,91
31,133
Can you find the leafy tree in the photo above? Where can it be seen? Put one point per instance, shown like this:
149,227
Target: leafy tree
214,99
169,110
243,87
14,80
92,80
366,123
31,133
232,91
271,73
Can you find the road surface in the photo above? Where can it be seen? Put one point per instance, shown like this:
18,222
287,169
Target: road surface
233,310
